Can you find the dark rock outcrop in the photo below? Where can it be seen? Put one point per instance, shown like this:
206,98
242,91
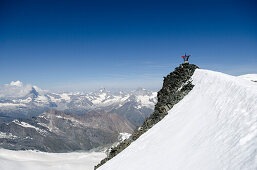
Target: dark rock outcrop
176,85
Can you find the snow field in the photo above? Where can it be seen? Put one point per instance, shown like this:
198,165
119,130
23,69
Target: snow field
213,128
33,160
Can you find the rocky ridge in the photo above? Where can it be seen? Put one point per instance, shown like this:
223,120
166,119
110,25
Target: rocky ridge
176,85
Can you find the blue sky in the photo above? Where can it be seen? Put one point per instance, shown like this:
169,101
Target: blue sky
78,45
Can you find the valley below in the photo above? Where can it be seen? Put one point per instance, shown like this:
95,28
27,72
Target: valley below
31,160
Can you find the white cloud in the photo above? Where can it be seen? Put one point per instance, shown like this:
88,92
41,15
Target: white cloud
16,89
16,83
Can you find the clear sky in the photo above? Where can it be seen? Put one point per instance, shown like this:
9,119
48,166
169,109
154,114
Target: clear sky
75,45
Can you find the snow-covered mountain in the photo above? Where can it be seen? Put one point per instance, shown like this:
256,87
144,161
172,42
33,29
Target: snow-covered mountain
202,121
251,77
212,127
140,100
56,131
19,100
29,118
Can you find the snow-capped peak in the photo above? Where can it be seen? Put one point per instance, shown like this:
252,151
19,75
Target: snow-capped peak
26,98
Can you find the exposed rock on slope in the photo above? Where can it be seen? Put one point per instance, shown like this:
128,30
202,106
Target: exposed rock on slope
175,86
56,131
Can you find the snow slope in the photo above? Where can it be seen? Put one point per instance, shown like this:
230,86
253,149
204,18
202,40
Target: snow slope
214,127
32,160
251,77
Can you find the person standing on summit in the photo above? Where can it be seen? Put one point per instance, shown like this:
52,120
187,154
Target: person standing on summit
185,58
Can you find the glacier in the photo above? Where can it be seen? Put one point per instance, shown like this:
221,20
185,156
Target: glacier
31,160
214,127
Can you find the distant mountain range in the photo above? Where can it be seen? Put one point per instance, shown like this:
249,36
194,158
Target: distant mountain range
32,118
23,101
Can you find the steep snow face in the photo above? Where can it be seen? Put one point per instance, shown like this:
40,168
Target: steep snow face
213,127
31,160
